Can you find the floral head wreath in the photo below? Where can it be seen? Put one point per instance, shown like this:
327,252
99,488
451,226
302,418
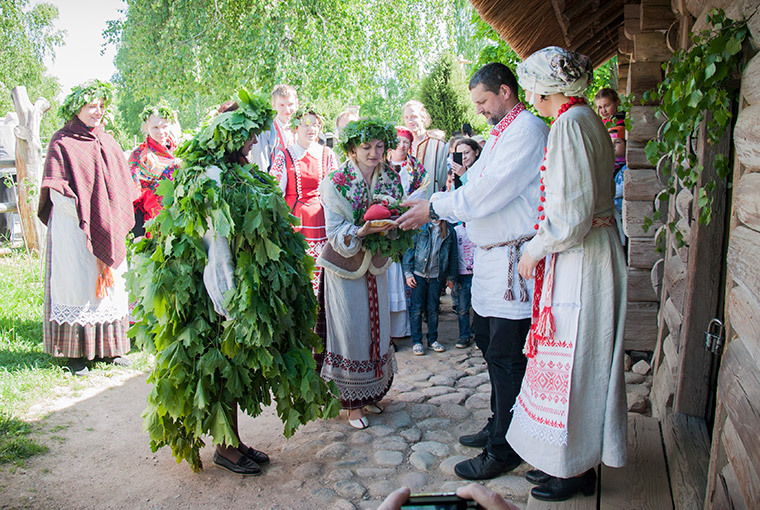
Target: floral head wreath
363,130
86,93
302,112
161,110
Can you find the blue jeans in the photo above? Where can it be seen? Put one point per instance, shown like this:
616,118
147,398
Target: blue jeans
426,295
463,299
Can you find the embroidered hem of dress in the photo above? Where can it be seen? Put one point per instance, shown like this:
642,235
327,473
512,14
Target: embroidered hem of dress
85,315
550,435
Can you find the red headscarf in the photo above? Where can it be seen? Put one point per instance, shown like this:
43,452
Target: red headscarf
402,131
89,166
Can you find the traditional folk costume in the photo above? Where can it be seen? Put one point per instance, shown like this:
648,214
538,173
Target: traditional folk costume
413,179
278,138
358,354
432,153
571,411
498,205
149,164
299,172
86,202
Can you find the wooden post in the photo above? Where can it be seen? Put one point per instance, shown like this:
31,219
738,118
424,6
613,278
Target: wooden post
29,164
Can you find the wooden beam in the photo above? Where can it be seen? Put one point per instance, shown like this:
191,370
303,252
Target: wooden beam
742,465
747,200
704,288
655,15
687,446
643,482
743,259
641,252
640,286
597,20
562,21
744,311
643,76
751,81
634,212
632,14
625,45
641,326
650,47
635,155
644,124
747,137
641,184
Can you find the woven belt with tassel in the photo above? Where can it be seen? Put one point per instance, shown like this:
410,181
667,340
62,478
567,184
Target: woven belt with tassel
515,244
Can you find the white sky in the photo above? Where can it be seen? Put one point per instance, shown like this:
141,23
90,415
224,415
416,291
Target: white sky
79,59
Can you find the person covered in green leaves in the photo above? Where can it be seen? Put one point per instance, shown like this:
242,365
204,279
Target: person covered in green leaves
224,299
359,201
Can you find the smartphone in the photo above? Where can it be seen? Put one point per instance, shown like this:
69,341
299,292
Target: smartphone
448,501
457,157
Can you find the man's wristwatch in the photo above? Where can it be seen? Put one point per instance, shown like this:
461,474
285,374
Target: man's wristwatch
433,215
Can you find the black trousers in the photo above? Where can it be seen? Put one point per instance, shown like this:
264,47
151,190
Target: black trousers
501,341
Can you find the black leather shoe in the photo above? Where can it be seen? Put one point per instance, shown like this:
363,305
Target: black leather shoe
485,466
537,477
479,439
560,489
244,466
78,367
255,455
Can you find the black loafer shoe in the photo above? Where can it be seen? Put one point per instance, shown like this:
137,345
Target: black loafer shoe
255,455
485,466
477,440
560,489
78,367
537,477
244,466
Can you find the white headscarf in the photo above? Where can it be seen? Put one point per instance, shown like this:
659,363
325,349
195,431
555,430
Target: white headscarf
555,70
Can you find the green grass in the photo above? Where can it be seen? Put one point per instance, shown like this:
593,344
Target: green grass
14,443
28,376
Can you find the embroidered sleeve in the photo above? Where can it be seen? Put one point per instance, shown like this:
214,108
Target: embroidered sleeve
280,171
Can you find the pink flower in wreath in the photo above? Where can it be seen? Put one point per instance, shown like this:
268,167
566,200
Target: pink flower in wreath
340,179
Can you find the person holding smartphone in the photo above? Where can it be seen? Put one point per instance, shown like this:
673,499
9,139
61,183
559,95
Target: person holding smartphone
484,497
466,153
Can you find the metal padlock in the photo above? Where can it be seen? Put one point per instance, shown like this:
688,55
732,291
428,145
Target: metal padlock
715,337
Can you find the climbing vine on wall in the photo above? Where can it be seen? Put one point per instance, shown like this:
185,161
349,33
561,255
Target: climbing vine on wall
696,81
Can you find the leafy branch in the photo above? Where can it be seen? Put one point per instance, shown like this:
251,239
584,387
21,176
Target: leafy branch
696,81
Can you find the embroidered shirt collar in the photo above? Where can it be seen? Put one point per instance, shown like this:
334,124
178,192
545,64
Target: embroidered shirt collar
508,118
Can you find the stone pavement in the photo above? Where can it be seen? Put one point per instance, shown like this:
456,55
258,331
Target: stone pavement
434,399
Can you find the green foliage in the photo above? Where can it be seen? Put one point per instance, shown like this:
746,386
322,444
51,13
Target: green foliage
27,36
696,81
445,95
14,443
362,131
204,364
334,52
160,110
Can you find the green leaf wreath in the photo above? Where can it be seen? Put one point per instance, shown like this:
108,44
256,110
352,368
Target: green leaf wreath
204,363
160,110
86,93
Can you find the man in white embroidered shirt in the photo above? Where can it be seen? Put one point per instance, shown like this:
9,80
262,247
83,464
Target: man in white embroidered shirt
499,204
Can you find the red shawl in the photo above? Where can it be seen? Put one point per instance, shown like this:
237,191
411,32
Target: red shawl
89,166
149,164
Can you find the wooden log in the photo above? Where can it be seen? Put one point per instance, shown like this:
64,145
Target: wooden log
625,45
641,252
8,207
673,319
29,164
670,350
655,277
661,396
650,47
634,212
746,473
747,200
717,459
640,286
744,313
632,20
641,184
747,137
703,290
684,201
635,155
656,15
641,326
751,81
687,446
642,483
695,7
743,259
643,76
739,389
644,124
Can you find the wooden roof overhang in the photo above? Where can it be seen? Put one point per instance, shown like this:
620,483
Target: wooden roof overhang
590,27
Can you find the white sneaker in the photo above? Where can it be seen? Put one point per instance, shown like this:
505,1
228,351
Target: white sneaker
437,347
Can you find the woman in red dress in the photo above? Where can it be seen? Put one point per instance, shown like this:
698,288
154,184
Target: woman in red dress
299,169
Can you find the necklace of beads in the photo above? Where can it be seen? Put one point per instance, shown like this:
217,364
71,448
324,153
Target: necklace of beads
562,109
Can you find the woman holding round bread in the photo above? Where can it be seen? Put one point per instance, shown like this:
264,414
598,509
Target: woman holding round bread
359,200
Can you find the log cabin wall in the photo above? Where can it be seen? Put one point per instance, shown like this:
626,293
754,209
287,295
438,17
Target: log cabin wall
734,471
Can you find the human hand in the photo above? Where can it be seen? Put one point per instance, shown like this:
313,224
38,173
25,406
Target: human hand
486,498
368,229
527,266
458,169
395,499
417,215
450,284
411,281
